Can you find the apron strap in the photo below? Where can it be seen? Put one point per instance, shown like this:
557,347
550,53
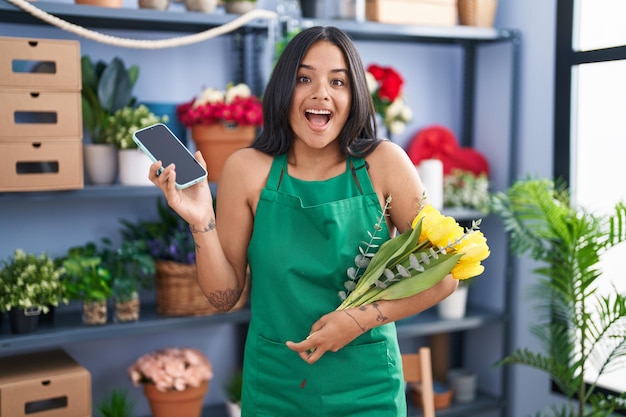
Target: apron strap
276,172
359,168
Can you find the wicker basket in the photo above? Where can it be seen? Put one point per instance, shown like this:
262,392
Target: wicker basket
477,12
178,292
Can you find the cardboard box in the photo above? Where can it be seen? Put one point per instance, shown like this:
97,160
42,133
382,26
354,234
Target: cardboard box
412,12
40,64
44,384
51,114
40,165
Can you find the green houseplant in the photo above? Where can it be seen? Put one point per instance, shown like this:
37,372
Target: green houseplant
579,328
106,88
88,280
29,284
116,403
133,163
132,269
232,390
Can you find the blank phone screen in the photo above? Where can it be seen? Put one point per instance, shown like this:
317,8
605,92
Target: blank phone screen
164,146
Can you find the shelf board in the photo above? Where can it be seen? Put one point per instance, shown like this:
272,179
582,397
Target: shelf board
68,328
482,403
374,31
428,322
125,17
91,192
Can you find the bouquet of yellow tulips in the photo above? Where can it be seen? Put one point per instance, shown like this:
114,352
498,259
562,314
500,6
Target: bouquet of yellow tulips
415,260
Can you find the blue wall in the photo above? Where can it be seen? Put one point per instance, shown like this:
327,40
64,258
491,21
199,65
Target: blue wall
433,90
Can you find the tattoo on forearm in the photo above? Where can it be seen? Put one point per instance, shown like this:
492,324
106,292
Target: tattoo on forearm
209,227
380,317
224,300
363,329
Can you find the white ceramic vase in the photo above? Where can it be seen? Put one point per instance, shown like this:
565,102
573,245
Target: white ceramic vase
463,383
455,305
100,163
234,409
239,7
206,6
134,167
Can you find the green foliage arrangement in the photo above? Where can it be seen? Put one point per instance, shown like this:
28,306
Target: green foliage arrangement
580,328
131,267
466,189
233,387
106,88
116,403
124,122
167,238
86,277
29,281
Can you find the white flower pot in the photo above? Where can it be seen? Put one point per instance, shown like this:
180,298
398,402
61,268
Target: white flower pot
455,305
239,7
234,409
134,167
100,163
463,383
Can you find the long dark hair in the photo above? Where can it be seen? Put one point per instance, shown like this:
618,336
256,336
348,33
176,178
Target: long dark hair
359,135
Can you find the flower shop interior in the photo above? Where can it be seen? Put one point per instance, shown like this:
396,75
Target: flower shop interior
500,93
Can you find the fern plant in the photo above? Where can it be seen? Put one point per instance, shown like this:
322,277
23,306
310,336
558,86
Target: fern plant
580,329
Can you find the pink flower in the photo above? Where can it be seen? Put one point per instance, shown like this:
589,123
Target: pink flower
172,369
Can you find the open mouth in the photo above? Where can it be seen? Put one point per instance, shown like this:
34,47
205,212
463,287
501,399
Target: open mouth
318,117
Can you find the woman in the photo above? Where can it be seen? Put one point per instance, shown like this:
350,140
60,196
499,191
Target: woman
295,206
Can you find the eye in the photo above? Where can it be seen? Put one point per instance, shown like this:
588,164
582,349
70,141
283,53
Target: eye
338,82
303,79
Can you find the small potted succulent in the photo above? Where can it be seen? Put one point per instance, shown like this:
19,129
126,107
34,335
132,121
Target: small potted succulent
87,279
232,390
29,285
116,403
133,164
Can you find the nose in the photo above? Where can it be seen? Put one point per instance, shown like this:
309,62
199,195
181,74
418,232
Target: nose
320,91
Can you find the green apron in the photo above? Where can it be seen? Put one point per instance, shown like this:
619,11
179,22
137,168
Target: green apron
306,235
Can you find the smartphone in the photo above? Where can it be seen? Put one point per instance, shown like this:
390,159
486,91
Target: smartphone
160,144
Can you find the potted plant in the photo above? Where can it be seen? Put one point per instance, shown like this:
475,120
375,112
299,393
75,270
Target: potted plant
87,279
581,329
106,88
116,403
232,390
239,6
222,122
132,269
133,163
175,380
29,284
170,243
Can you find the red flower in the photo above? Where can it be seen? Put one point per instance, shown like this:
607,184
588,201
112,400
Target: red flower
389,80
242,111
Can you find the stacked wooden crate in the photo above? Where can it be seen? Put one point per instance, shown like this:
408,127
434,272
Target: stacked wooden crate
40,115
412,12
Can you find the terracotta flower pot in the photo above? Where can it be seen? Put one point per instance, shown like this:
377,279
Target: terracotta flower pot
481,13
218,142
186,403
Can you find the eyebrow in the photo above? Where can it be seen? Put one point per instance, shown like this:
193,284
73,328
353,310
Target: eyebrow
337,70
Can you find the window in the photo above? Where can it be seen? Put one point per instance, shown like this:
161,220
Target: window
590,110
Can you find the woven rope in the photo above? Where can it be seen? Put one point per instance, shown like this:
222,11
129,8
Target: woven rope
143,43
